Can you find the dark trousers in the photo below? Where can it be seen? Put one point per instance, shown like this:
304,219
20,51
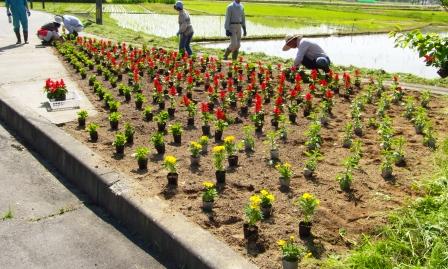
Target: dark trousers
313,64
184,43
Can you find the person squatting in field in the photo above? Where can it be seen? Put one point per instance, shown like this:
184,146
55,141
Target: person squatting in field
235,20
20,12
185,29
50,31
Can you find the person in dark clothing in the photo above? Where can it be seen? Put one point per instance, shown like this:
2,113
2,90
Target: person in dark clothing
50,31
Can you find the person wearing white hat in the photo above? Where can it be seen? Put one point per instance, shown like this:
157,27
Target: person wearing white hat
72,24
235,20
185,28
50,31
309,54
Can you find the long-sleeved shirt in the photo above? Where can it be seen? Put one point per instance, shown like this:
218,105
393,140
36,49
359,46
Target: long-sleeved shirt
185,26
307,49
235,15
71,22
16,6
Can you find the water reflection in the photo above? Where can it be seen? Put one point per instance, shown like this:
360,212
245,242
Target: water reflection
371,51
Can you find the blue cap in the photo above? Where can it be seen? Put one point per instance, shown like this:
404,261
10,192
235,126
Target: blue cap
179,5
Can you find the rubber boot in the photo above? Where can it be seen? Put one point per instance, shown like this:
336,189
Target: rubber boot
235,55
19,40
25,37
226,54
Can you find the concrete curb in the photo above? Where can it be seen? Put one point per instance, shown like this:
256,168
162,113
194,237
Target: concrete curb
176,238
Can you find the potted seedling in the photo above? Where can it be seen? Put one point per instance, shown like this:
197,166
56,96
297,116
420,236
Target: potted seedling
161,118
208,196
113,105
220,124
147,113
129,131
206,117
139,100
83,73
428,137
195,150
420,120
345,179
230,146
158,142
114,117
203,141
219,153
172,108
267,199
82,115
313,134
307,104
307,204
386,164
292,253
348,135
249,141
286,174
283,127
293,108
127,93
120,140
170,165
272,137
253,215
92,128
141,155
191,109
176,130
92,80
398,151
425,96
311,163
409,107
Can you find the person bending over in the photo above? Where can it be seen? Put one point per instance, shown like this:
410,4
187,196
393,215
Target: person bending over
50,31
309,54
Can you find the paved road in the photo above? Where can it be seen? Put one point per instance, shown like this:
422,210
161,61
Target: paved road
53,225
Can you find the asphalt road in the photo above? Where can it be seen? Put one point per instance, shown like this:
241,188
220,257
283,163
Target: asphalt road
53,225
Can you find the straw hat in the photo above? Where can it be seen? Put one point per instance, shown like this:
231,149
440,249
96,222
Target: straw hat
58,19
288,39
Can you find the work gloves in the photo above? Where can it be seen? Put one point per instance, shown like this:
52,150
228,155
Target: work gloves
244,31
228,33
28,12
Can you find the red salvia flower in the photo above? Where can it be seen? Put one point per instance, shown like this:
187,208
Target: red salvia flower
329,94
277,111
172,91
258,104
220,115
204,107
186,100
279,101
312,87
308,97
314,74
323,83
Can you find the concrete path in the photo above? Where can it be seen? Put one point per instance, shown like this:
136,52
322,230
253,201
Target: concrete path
52,225
25,67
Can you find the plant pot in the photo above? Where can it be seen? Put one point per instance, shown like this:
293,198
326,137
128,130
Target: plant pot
194,161
179,90
190,121
386,173
177,138
290,264
204,149
305,229
160,149
259,128
207,206
358,131
274,123
142,164
274,154
233,160
244,111
162,106
344,183
130,139
113,125
138,105
127,97
233,104
400,161
81,122
308,173
119,149
190,95
171,112
205,130
292,117
172,179
284,182
267,211
418,129
347,143
161,126
218,136
250,232
306,112
220,177
93,136
443,73
211,106
149,116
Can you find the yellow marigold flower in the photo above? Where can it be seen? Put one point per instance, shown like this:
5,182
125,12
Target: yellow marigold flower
270,197
291,238
308,255
317,202
170,159
203,139
255,200
218,149
281,243
229,139
277,166
208,184
287,165
264,192
254,206
307,196
195,145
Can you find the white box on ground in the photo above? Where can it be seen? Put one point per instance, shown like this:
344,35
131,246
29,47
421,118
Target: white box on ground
72,101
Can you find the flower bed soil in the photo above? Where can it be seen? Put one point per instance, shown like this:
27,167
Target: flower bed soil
357,212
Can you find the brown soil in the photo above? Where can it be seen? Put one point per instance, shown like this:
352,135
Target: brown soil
360,211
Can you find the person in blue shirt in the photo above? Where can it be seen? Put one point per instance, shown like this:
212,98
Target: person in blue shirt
20,13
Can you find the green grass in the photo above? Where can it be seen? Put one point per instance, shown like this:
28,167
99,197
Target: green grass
417,234
8,215
62,8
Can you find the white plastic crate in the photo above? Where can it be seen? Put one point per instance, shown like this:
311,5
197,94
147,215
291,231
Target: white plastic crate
71,101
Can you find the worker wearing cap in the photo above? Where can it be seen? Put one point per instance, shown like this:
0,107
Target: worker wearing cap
50,31
20,13
235,20
185,28
309,54
72,24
